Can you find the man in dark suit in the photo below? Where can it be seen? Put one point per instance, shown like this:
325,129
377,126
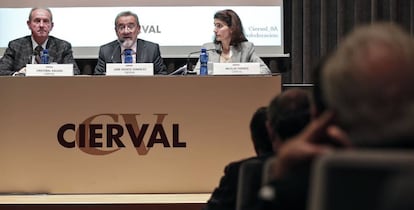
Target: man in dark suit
286,115
21,51
127,29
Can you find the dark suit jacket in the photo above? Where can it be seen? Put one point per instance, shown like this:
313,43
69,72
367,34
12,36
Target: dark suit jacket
19,53
224,196
147,52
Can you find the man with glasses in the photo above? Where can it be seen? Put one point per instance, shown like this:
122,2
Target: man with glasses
128,48
24,50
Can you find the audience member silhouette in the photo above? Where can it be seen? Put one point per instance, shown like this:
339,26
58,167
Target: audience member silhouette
367,88
224,196
288,114
285,116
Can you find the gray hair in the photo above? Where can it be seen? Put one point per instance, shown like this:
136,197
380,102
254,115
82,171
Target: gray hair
126,13
36,8
369,82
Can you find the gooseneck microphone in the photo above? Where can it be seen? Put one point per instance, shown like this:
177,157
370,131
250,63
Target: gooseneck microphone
120,41
188,68
190,65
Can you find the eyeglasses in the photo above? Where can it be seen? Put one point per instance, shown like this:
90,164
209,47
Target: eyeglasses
130,27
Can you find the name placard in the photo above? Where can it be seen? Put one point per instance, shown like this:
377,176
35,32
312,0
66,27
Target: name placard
130,69
236,68
49,70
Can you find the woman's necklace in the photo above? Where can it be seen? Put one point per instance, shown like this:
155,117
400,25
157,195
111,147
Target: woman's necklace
225,57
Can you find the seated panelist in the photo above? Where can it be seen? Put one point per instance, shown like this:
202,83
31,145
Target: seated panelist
230,43
26,50
127,29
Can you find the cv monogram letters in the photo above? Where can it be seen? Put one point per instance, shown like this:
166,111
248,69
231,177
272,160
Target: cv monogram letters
89,136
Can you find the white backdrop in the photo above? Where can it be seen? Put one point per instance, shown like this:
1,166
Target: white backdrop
178,29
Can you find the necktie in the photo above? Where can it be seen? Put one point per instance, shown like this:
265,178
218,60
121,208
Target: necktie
128,56
38,50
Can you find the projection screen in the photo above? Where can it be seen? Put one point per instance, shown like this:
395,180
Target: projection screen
179,26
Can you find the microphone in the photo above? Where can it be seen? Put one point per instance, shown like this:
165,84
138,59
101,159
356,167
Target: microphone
190,65
120,41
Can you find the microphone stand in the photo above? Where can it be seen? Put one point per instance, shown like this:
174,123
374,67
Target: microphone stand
118,47
190,69
189,64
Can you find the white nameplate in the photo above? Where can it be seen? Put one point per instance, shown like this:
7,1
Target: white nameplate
130,69
236,68
49,69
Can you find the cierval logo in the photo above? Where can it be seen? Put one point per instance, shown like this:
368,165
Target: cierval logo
87,134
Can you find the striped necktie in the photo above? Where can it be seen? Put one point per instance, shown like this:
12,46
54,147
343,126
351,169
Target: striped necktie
128,56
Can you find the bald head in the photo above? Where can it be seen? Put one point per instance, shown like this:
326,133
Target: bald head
368,81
